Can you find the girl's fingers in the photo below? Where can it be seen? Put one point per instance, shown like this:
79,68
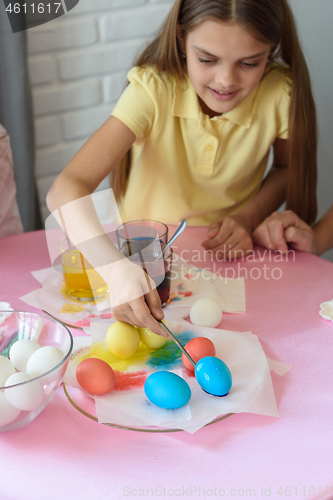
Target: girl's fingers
125,313
226,229
271,232
276,232
295,235
241,248
239,251
154,303
302,239
137,313
142,313
214,228
262,236
239,241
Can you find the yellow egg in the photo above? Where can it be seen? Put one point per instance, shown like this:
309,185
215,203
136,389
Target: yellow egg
150,339
122,339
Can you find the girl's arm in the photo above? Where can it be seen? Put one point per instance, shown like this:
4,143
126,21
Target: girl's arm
323,231
232,235
70,201
92,163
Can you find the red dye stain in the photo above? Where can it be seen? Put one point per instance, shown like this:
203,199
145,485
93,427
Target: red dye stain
82,322
186,294
103,316
129,380
86,321
188,276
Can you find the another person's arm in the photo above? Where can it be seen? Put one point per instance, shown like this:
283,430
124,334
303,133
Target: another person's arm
323,230
93,162
232,235
281,229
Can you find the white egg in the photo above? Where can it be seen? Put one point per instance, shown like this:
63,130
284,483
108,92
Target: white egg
43,360
7,412
206,312
26,397
21,351
6,370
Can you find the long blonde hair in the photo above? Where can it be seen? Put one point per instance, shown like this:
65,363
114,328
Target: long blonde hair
272,22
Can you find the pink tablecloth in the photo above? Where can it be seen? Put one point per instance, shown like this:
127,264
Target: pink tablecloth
64,455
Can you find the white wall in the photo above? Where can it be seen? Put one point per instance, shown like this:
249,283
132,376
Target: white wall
78,66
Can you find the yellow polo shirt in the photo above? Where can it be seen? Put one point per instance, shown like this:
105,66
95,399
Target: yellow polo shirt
187,165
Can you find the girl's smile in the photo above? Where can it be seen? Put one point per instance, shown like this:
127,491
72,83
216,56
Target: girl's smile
223,96
224,64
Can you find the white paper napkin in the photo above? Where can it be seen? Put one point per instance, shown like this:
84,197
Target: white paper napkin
251,392
188,285
51,297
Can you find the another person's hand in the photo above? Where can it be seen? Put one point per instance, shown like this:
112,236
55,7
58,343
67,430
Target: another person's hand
229,236
134,298
279,229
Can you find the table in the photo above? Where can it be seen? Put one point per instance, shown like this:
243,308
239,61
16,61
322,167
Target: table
64,455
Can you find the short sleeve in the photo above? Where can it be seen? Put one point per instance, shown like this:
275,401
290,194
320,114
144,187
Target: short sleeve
140,105
282,118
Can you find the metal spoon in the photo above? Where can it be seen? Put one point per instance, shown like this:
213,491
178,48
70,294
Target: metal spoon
166,329
175,235
211,373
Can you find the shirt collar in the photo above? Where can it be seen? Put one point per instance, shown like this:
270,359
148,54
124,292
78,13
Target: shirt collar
186,105
185,100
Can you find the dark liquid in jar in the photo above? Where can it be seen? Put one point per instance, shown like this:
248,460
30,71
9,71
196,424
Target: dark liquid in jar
163,289
129,249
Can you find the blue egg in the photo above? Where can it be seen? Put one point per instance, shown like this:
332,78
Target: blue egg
213,376
167,390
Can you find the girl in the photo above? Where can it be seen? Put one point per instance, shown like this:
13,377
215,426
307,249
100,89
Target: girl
222,82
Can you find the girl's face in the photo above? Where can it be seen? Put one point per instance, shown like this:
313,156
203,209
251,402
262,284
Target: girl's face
224,64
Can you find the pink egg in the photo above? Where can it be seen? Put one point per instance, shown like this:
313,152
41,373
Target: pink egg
198,348
95,376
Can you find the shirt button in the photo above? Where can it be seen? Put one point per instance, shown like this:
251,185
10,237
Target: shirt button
209,148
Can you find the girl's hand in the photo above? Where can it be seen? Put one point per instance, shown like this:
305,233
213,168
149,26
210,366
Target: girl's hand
133,296
278,230
230,236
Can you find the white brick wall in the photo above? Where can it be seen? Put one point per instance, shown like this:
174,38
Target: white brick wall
57,98
141,22
42,70
48,131
78,65
102,59
64,34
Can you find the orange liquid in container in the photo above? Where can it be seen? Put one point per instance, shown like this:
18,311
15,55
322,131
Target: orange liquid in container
82,281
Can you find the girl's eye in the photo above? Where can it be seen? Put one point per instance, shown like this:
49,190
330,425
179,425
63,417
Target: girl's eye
206,61
250,65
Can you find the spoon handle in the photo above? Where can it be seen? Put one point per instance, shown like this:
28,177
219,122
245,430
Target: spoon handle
177,233
166,329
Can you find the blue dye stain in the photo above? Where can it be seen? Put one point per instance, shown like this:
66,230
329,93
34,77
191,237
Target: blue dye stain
175,299
169,356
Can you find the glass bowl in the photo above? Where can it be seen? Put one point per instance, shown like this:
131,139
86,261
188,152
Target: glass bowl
46,331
